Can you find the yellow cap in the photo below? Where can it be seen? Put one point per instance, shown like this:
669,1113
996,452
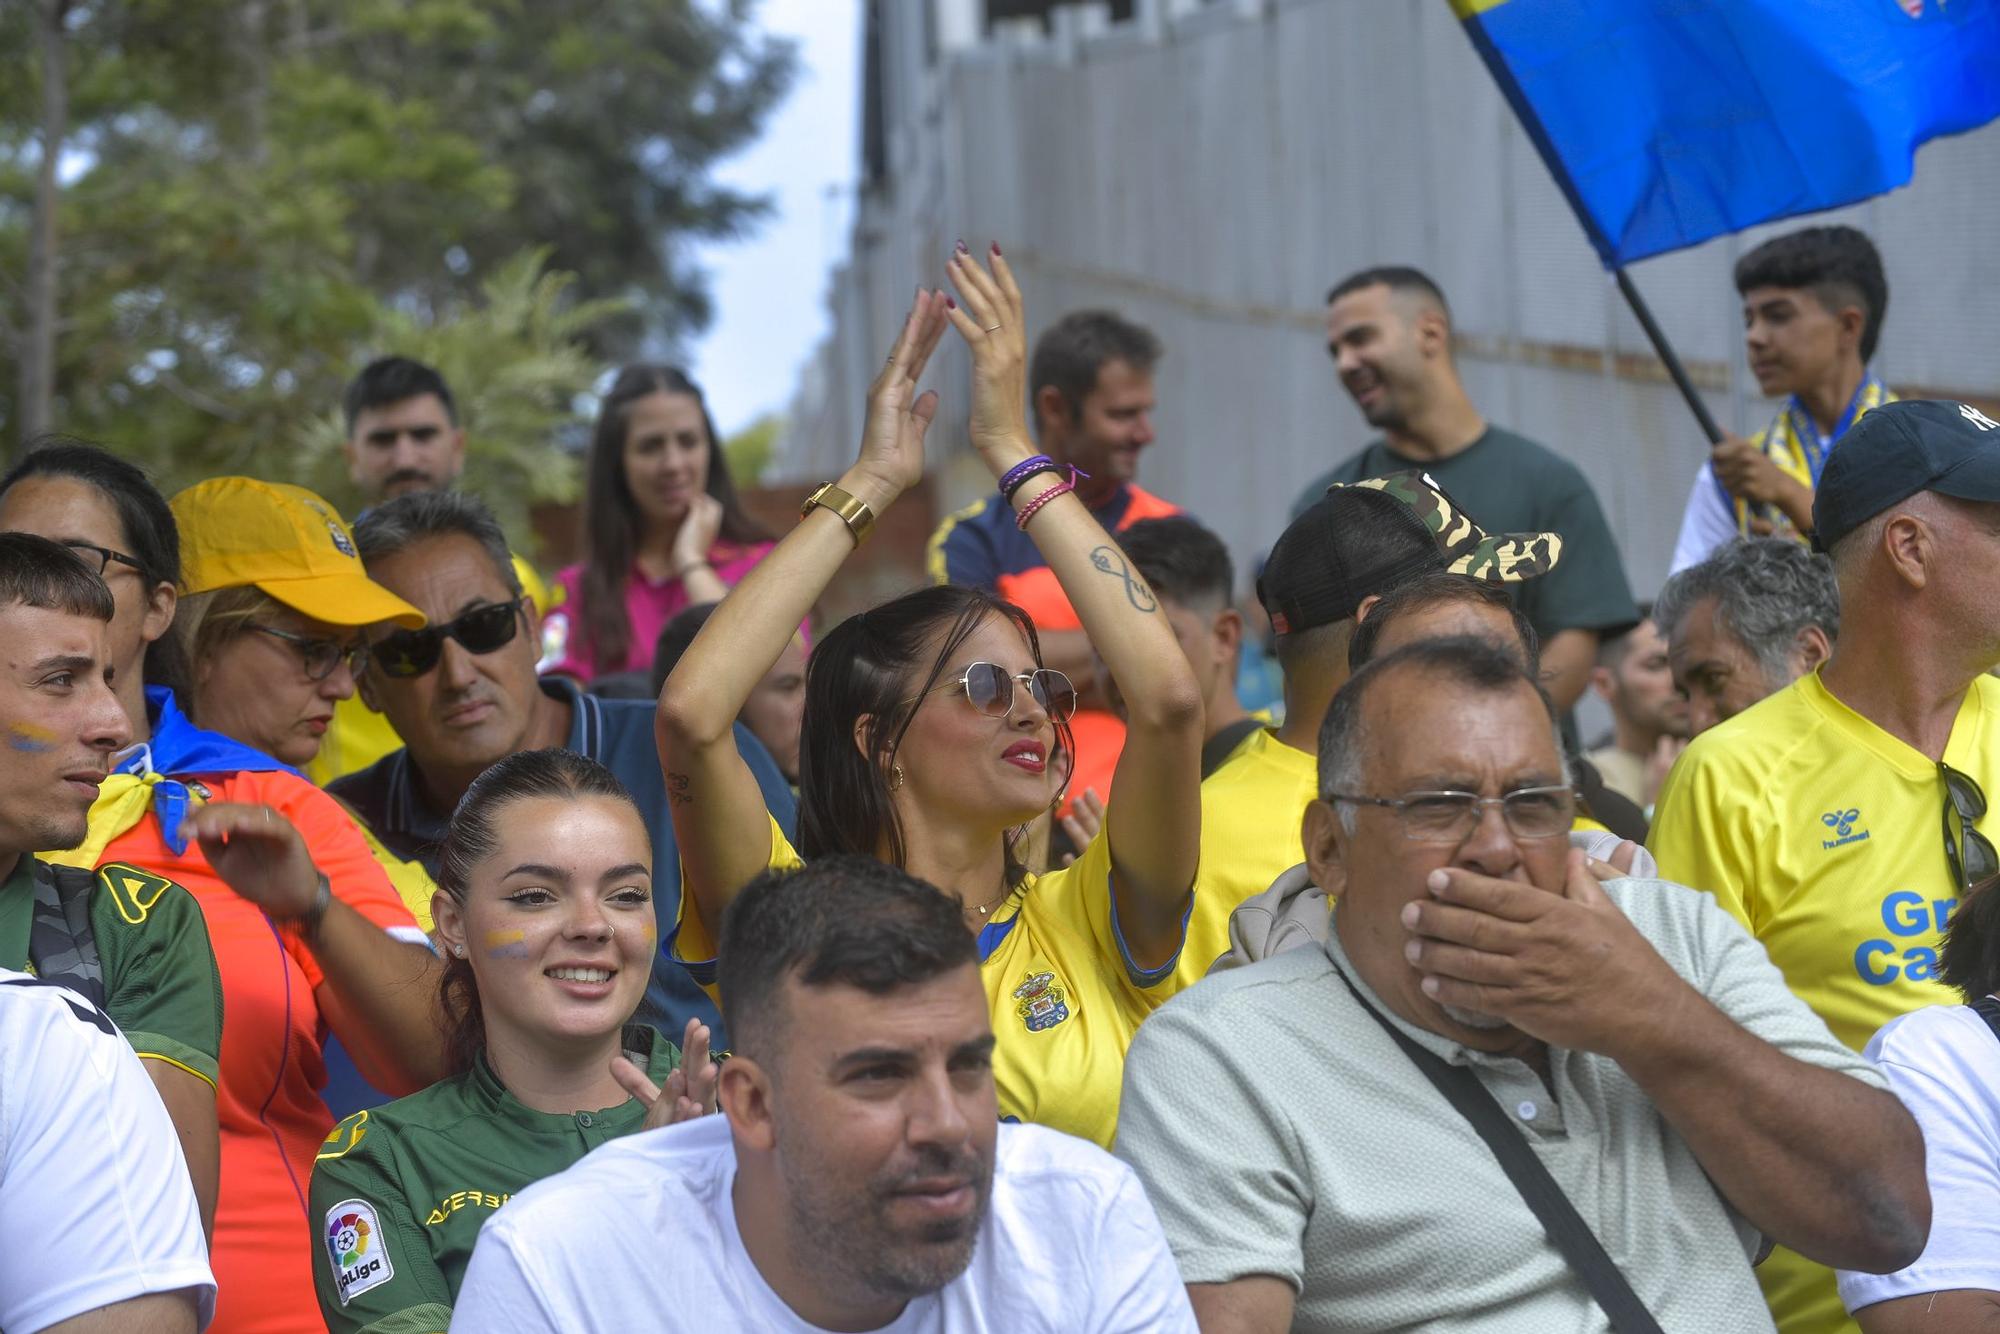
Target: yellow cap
286,541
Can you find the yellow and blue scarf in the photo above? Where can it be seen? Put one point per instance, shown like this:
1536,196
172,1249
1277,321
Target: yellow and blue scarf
1793,443
152,777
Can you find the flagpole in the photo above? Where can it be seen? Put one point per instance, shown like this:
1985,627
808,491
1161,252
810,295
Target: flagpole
1665,350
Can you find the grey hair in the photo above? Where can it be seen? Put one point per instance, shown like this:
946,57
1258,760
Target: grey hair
1461,659
409,519
1766,590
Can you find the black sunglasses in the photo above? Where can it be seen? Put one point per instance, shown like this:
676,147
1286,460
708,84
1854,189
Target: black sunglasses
407,653
1971,854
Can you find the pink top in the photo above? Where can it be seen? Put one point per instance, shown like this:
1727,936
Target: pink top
565,634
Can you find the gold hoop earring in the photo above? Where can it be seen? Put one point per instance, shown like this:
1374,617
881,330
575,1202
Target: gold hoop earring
895,777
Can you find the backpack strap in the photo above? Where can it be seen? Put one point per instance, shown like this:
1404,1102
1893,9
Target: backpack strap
62,945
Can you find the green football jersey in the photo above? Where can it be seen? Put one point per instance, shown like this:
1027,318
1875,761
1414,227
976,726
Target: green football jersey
141,950
399,1192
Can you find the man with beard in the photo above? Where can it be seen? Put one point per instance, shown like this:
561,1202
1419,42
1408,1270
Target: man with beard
858,1177
1309,1175
1390,335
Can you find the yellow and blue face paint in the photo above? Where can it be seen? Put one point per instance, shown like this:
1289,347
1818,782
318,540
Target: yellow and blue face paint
30,737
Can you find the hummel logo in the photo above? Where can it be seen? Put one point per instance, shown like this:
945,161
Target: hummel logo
1842,824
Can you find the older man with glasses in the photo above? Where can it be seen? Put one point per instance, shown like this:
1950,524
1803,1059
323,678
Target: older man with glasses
1650,1095
463,694
1842,818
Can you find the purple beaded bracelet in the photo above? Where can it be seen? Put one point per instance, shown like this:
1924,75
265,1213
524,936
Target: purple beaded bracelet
1011,481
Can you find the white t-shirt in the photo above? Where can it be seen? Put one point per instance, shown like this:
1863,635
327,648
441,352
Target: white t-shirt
1706,523
1944,1063
95,1202
641,1234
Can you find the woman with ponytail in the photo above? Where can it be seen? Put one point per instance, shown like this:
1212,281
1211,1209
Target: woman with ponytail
544,916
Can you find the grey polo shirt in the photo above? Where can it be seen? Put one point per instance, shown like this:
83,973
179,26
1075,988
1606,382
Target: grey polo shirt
1279,1130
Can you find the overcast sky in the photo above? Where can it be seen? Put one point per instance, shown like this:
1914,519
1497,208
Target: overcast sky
769,289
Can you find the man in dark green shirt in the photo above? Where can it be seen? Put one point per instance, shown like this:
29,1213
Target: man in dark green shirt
1389,332
132,942
400,1192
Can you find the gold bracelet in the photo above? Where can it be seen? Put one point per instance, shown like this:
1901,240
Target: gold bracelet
853,512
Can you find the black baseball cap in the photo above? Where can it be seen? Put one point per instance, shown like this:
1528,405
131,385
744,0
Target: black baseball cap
1368,538
1899,449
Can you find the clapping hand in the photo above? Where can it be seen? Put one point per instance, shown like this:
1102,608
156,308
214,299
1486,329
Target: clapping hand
990,318
892,441
690,1089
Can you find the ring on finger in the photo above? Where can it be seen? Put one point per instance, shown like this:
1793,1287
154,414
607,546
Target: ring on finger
995,328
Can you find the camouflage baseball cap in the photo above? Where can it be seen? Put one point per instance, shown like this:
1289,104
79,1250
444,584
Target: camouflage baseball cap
1369,537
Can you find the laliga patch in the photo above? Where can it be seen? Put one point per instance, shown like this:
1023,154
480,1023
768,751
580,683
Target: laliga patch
356,1249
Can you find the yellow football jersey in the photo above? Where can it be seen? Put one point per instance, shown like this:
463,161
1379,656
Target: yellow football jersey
1252,807
1824,835
1065,997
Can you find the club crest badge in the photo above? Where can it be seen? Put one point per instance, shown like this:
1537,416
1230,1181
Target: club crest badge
355,1249
1042,1003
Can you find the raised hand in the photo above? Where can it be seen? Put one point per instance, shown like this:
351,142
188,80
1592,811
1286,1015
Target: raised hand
892,441
258,854
689,1091
990,318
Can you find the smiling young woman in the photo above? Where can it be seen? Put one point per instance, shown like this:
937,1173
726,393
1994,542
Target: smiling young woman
934,734
662,527
544,913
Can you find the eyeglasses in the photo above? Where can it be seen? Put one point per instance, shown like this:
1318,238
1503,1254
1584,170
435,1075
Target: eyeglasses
105,555
1971,855
320,656
1447,817
408,653
990,688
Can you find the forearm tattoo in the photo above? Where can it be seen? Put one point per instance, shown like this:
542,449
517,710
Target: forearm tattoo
1112,561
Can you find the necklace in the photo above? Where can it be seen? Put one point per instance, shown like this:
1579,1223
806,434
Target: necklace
986,908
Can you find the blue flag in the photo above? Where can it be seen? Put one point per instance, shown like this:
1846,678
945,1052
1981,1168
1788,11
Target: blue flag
1667,122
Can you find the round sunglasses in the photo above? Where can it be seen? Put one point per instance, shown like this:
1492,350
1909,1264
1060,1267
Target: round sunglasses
989,688
408,653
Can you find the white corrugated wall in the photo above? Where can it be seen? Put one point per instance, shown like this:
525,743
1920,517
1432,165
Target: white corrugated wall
1211,171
